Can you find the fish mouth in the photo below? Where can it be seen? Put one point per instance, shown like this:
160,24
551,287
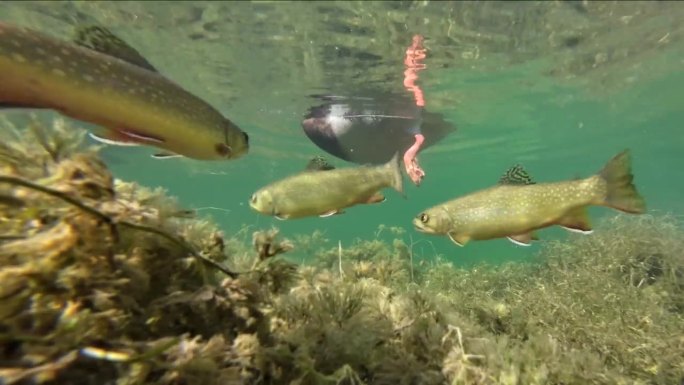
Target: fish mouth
420,227
254,207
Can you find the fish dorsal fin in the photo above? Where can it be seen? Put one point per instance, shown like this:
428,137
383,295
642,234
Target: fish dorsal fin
100,39
516,175
319,163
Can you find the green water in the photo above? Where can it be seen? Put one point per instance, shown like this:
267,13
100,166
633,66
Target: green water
558,87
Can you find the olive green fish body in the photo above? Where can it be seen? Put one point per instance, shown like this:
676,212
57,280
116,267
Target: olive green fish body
323,193
137,105
509,210
517,210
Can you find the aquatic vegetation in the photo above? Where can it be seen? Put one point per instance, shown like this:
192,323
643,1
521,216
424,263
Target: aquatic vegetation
604,308
105,281
85,275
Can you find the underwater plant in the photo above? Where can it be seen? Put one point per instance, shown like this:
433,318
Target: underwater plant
106,281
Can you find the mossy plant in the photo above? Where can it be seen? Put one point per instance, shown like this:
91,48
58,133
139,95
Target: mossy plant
105,281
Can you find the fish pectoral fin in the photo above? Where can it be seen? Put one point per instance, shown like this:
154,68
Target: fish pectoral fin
523,239
376,198
331,213
459,239
577,221
165,155
112,138
100,39
125,138
140,137
281,217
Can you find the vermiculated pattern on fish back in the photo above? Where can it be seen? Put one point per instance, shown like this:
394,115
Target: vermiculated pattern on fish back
124,95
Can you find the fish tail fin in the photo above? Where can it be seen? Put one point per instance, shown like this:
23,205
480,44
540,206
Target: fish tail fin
397,178
621,193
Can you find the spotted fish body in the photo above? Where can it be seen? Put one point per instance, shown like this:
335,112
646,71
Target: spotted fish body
323,191
516,207
130,100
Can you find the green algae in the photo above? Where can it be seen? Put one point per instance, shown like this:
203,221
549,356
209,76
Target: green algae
85,300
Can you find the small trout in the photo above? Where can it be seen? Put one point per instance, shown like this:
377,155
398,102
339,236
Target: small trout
517,206
100,79
322,190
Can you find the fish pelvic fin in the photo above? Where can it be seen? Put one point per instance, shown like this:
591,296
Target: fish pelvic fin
165,155
524,239
375,198
458,239
577,221
621,193
100,39
394,166
331,213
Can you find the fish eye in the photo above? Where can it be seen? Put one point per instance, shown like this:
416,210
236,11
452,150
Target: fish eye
424,218
223,149
246,137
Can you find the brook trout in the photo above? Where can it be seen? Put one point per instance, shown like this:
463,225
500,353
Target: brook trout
517,206
100,79
323,190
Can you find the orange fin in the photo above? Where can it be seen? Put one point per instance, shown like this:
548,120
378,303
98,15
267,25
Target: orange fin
113,138
376,198
523,239
125,138
577,221
458,239
331,213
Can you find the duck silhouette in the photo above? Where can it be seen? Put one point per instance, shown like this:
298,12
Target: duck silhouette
370,127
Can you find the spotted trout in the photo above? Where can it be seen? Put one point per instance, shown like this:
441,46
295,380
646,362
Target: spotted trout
100,79
322,190
517,206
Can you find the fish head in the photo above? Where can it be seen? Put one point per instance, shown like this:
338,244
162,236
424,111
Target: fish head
433,221
235,142
263,202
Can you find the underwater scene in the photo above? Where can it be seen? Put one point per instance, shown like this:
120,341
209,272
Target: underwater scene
348,192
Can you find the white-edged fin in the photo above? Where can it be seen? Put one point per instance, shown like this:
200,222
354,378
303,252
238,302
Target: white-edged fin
524,239
280,218
165,155
455,241
518,242
111,141
578,231
142,137
577,221
330,213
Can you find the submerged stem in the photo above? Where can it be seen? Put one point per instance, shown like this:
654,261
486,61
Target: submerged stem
113,225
